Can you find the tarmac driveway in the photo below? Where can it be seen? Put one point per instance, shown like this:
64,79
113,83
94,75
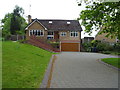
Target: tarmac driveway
82,70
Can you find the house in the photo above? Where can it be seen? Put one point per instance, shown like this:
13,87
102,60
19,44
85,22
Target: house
67,32
87,39
102,37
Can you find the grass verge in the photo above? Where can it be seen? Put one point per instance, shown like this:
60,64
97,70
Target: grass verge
112,61
0,65
23,65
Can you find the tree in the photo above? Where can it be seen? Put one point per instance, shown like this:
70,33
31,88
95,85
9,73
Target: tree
6,25
102,16
17,21
13,22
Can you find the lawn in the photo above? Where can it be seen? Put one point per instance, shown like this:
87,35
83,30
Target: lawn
112,61
0,64
23,65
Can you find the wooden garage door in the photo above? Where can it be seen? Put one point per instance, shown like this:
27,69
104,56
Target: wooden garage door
70,47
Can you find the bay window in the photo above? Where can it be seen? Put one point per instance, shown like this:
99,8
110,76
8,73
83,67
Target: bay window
36,32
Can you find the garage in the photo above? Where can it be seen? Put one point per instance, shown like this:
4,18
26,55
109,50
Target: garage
73,47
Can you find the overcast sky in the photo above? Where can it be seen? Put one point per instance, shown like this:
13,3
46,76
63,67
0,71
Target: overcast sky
44,9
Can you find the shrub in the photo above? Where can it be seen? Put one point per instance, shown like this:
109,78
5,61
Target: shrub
6,34
94,43
117,47
101,46
110,47
55,44
22,41
106,52
87,46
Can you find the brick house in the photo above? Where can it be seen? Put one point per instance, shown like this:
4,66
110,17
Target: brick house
102,37
67,32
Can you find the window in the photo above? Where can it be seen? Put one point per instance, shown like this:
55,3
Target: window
63,34
31,32
74,34
49,38
50,33
50,21
36,32
68,23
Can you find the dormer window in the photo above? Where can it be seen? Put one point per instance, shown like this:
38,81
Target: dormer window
50,22
68,23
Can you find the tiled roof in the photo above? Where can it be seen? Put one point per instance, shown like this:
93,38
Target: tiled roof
52,24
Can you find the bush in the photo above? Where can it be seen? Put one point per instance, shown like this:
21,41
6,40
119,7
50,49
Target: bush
87,46
55,44
106,52
6,34
99,46
22,41
117,47
94,43
110,47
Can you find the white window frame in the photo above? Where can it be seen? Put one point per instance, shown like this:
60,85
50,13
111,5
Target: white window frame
51,31
63,34
51,35
74,33
42,31
31,31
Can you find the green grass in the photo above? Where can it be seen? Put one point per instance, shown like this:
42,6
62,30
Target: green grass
23,65
0,65
112,61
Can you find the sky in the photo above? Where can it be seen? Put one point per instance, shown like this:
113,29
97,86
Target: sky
45,9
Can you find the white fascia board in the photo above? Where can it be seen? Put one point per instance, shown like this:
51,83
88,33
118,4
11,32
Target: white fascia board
34,22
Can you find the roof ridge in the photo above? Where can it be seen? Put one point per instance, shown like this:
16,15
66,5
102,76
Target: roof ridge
56,19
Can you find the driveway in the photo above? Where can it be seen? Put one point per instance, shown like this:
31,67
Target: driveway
82,70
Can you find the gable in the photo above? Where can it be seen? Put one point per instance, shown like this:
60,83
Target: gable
35,25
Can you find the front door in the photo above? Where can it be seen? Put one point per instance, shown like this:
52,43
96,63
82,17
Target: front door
56,35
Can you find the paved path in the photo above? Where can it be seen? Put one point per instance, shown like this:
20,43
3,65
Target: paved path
82,70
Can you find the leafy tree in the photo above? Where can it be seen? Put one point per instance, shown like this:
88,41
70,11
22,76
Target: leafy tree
6,25
102,16
6,21
17,21
13,22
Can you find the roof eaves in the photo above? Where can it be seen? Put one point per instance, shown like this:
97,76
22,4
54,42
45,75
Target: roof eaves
34,22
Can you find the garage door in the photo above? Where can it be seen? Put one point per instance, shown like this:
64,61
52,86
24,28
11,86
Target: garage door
70,47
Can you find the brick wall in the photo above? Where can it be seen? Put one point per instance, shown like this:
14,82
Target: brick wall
36,26
68,37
